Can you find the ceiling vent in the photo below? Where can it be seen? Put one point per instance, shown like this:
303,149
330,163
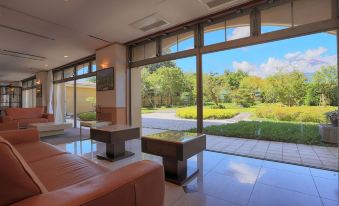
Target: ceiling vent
149,23
212,4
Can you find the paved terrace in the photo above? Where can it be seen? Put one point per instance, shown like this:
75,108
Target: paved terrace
300,154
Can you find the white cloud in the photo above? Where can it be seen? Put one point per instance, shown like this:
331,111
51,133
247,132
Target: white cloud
239,32
307,62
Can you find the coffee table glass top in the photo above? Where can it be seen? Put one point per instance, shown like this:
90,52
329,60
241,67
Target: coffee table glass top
174,136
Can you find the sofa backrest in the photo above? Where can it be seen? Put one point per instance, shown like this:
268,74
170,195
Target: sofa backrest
18,181
24,113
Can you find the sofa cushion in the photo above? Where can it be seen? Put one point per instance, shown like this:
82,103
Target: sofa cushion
25,122
64,170
24,113
35,151
18,181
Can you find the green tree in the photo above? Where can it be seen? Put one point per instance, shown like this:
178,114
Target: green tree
214,84
169,82
233,79
324,83
248,91
288,88
153,67
147,87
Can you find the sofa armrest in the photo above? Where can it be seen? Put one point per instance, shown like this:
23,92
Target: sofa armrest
7,119
140,184
20,136
12,125
50,117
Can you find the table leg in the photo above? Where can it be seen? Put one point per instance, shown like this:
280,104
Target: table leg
176,171
115,151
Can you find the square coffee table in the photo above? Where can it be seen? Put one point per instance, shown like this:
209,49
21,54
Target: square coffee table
175,148
50,128
115,136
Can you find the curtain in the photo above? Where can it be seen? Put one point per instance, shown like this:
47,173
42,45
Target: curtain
49,92
59,102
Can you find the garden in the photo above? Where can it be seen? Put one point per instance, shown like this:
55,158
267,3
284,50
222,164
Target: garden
285,106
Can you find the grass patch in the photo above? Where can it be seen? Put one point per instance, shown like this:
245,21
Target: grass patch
314,114
191,113
88,116
301,133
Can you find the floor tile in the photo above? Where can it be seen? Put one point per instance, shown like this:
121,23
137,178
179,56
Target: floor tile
287,167
231,189
327,188
288,180
328,202
201,199
264,195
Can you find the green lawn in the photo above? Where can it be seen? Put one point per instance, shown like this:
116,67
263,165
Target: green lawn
302,133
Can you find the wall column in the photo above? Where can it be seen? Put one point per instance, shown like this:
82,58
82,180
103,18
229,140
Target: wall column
111,104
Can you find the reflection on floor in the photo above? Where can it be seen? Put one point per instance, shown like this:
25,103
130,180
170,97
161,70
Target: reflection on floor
233,180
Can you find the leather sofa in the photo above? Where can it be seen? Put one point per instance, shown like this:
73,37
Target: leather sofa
40,174
24,116
9,125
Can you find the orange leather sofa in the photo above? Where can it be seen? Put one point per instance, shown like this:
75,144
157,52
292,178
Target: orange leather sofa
9,125
24,116
40,174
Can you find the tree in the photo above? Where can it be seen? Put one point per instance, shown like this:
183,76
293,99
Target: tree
324,83
287,88
147,87
170,81
213,86
248,90
233,79
153,67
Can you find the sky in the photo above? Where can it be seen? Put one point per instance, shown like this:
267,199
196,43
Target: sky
306,54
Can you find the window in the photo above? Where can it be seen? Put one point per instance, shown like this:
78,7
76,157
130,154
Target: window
150,50
169,45
276,18
138,53
309,11
82,69
214,33
186,41
69,72
57,75
238,28
94,66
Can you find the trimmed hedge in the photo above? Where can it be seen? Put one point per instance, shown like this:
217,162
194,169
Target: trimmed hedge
297,114
88,116
302,133
191,113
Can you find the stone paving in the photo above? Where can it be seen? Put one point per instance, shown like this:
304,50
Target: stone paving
306,155
168,120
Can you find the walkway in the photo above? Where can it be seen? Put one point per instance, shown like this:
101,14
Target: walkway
299,154
167,120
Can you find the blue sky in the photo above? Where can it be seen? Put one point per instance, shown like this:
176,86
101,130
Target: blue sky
307,54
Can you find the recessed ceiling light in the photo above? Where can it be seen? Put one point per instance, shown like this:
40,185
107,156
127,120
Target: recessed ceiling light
66,56
46,65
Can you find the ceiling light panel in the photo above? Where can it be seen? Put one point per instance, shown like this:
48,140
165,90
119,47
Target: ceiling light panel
149,23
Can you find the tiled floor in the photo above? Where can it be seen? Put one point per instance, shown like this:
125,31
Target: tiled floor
300,154
234,180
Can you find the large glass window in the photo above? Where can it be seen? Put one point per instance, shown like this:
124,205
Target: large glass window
238,28
69,72
138,53
82,69
309,11
57,75
276,18
215,33
169,44
186,41
150,50
94,66
86,99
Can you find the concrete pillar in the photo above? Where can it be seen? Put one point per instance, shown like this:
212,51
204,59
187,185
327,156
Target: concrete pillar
112,104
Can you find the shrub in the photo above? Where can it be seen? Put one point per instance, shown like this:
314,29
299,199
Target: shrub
302,133
87,116
219,106
191,113
314,114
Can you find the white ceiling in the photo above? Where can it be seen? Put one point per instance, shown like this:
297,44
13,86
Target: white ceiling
69,22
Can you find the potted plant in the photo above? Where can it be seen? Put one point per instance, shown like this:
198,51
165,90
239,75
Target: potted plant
329,132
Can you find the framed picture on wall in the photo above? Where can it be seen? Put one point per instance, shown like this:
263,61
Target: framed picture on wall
105,79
